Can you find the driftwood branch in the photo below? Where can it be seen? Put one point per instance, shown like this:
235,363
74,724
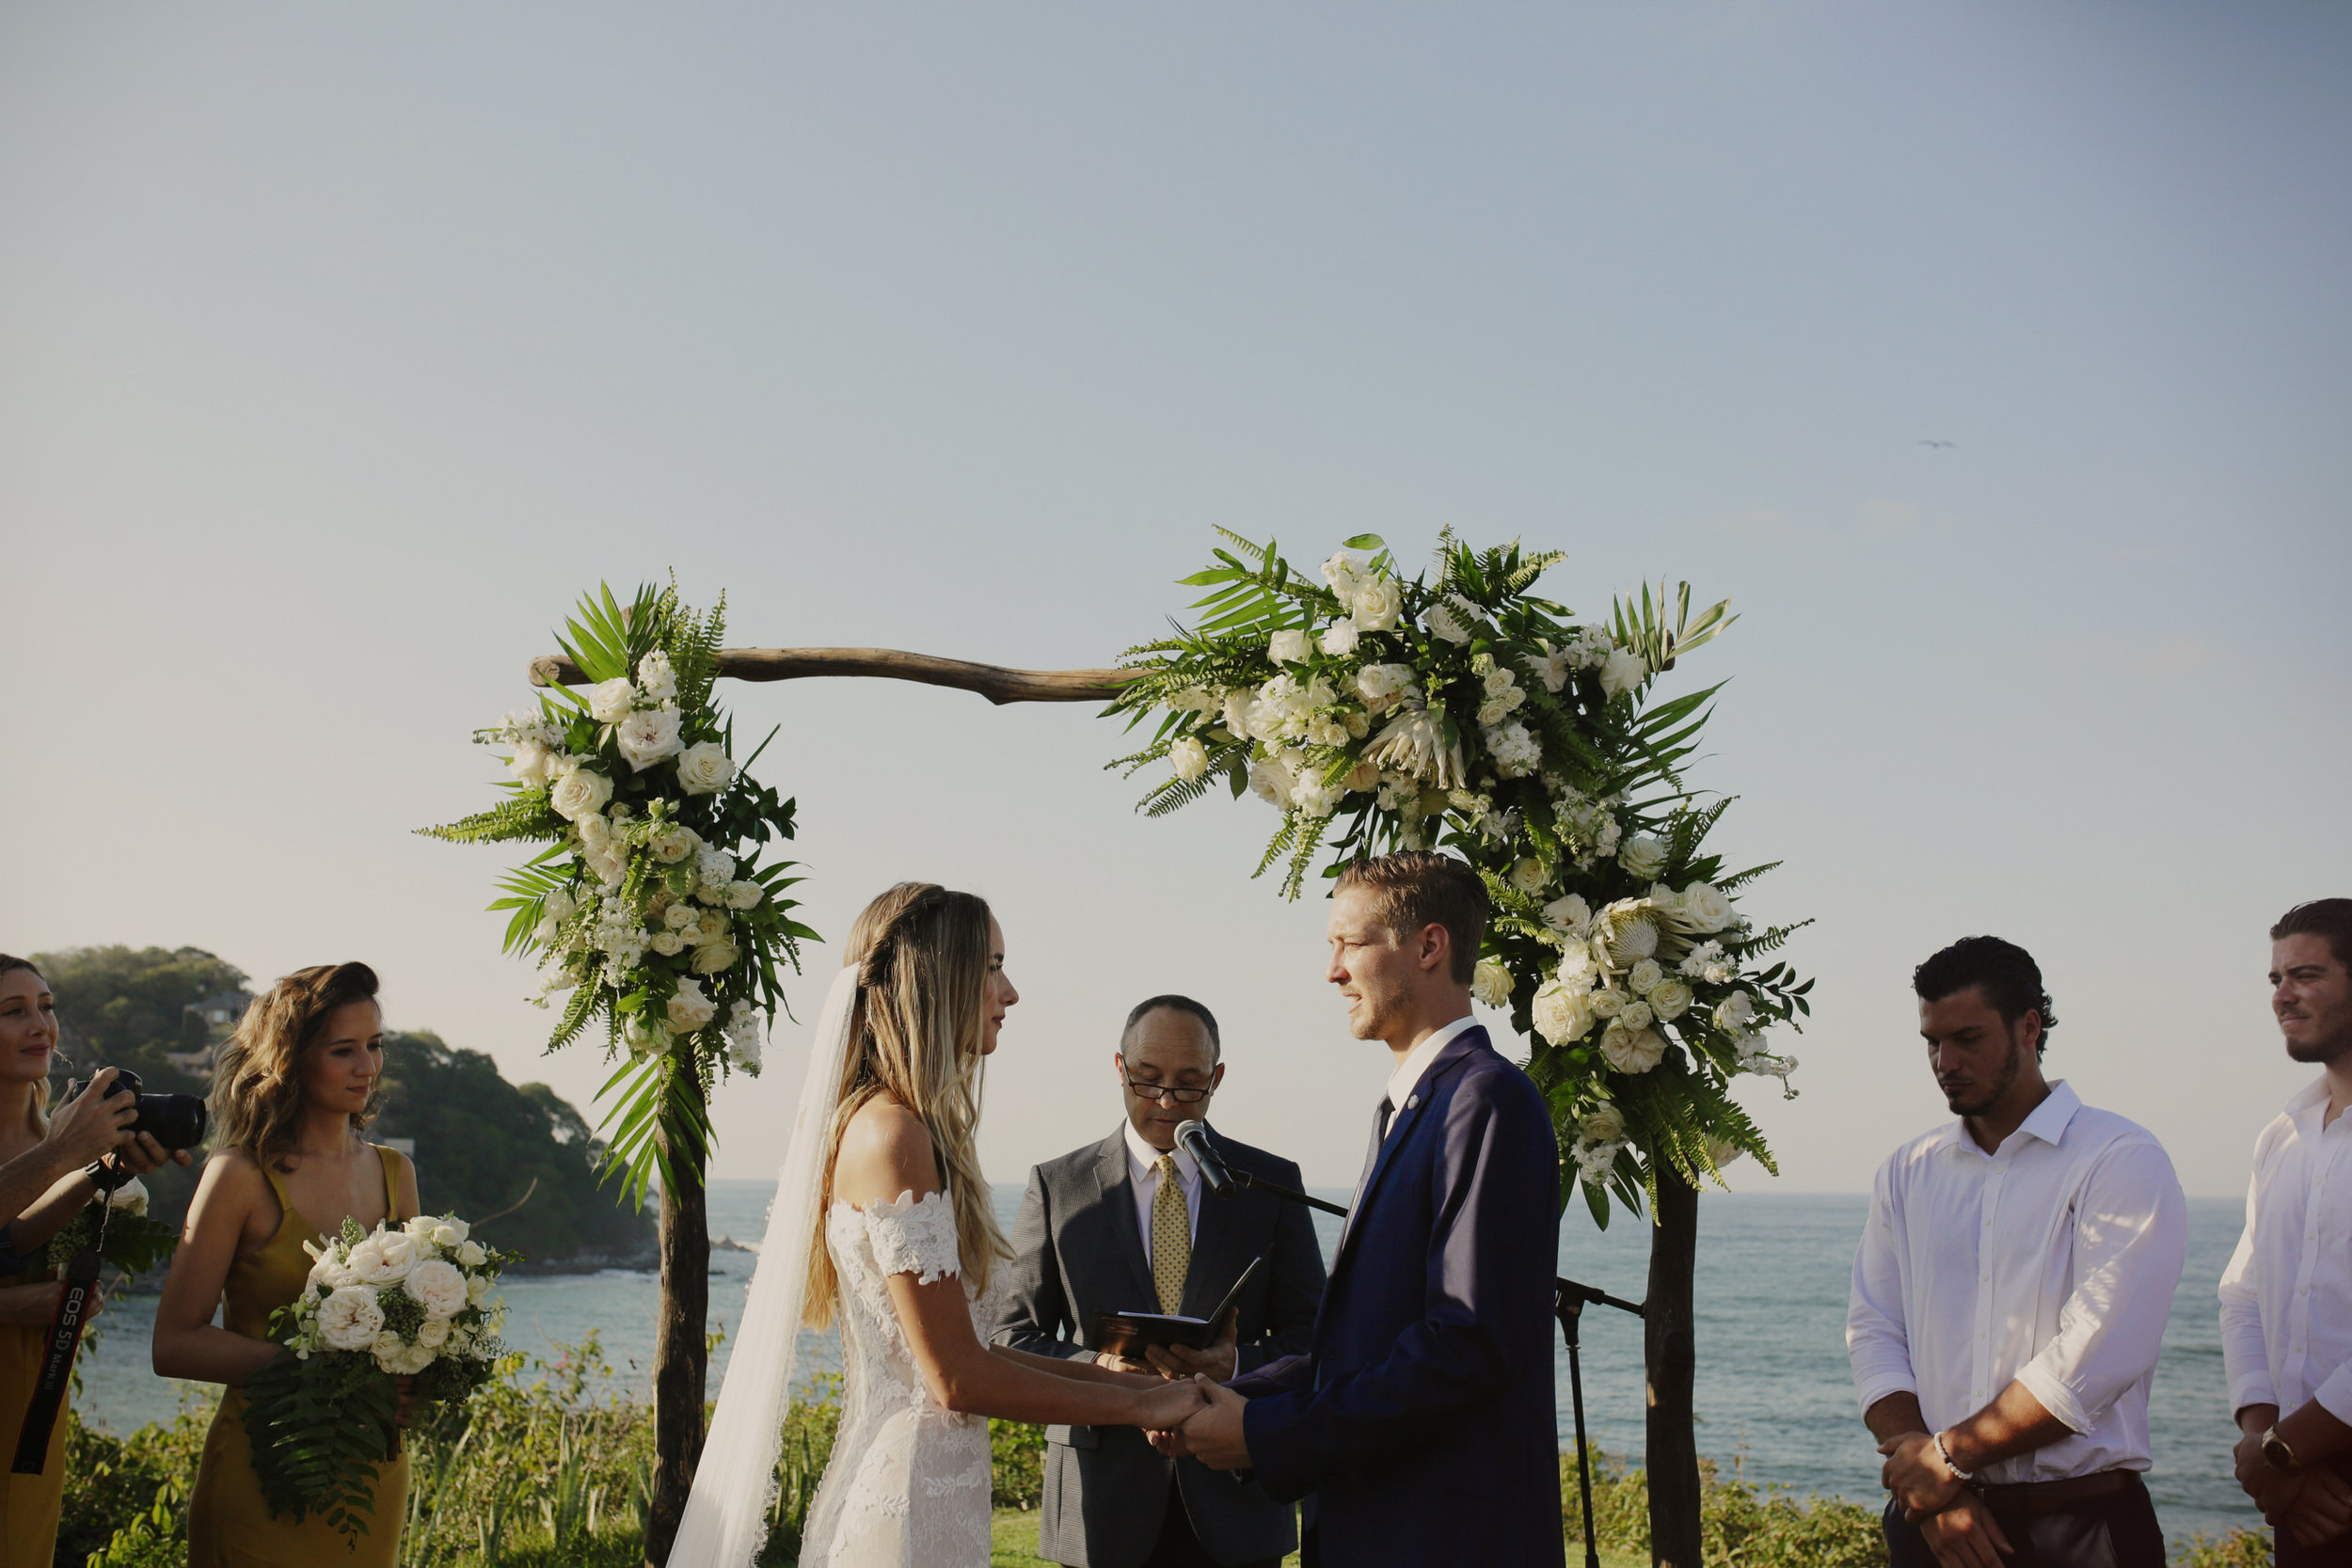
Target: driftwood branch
994,681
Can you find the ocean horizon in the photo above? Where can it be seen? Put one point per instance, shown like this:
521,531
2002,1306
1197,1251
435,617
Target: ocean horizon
1774,1396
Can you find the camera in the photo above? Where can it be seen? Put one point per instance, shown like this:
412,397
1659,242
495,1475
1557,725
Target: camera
177,1122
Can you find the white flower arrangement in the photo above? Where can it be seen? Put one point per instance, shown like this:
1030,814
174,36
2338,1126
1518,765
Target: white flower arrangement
653,908
414,1302
1458,711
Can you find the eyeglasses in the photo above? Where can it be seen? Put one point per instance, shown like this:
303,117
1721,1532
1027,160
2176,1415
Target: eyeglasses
1164,1091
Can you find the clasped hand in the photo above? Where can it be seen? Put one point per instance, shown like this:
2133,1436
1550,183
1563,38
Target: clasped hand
1214,1436
2313,1505
1957,1526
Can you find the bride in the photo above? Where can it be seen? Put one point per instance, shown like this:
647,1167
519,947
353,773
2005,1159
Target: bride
882,1218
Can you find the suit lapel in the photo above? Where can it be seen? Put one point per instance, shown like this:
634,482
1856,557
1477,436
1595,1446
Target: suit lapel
1403,1125
1118,1190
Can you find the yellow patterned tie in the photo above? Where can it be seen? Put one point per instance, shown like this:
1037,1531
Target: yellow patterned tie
1171,1237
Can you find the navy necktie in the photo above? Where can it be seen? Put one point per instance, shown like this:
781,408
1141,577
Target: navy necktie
1380,1136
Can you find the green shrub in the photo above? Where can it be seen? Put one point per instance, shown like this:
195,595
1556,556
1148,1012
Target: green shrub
1017,1453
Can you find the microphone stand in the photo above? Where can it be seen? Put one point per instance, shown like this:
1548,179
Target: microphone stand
1569,1299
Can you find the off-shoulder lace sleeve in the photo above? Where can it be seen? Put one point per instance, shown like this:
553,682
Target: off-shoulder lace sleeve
916,1236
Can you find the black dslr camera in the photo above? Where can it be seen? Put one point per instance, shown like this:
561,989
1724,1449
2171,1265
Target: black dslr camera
177,1122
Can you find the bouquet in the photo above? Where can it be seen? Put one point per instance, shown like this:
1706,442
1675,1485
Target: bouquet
1457,710
413,1302
125,1238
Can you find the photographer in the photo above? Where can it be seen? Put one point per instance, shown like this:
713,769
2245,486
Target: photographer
43,1186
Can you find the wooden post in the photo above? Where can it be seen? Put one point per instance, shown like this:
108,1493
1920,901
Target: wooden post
681,1357
1670,1355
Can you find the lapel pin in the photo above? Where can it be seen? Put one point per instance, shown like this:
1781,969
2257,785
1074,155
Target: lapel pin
1412,1102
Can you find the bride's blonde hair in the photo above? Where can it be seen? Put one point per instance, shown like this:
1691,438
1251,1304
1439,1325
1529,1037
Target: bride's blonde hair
922,957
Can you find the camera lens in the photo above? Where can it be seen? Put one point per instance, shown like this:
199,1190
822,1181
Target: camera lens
176,1120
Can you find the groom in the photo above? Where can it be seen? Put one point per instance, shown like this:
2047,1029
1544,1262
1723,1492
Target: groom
1419,1425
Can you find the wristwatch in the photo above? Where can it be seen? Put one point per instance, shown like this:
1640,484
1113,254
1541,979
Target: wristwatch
2275,1451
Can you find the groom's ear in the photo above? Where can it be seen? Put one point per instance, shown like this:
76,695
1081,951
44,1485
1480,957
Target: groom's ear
1436,950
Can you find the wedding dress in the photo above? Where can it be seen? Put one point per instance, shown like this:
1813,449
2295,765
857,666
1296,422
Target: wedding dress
908,1485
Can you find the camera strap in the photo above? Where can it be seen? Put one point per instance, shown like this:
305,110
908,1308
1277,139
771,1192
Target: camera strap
56,1356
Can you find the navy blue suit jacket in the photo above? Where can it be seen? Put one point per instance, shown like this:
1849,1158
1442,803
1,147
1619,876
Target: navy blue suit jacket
1421,1425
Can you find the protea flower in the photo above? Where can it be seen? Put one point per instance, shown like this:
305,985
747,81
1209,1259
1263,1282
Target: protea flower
1414,742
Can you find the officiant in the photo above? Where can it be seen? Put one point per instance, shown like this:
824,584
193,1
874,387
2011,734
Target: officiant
1127,1224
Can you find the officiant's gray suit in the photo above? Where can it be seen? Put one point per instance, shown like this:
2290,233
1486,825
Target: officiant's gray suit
1079,1253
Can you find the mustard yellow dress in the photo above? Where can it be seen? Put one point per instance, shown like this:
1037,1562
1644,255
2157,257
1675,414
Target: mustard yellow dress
29,1505
229,1525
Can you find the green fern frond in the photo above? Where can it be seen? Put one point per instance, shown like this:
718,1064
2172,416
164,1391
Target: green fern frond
525,818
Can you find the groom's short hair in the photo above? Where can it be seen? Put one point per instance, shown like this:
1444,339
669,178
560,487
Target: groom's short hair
1420,888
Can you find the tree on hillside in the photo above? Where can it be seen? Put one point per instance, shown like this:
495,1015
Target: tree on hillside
483,1143
130,1007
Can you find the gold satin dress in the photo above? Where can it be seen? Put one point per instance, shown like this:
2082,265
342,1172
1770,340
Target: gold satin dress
229,1524
29,1505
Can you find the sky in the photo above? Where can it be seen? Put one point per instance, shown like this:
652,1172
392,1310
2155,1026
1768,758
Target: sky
340,350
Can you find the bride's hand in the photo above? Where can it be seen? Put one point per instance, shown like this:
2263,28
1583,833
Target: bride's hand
1166,1407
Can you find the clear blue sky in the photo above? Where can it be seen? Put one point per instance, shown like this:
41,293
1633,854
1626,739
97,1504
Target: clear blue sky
339,349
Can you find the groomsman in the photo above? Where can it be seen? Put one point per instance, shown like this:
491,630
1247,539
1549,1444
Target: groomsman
2010,1296
2286,1297
1125,1226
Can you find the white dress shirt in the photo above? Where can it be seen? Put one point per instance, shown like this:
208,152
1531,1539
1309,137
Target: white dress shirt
1143,1171
2286,1297
2051,1261
1408,1073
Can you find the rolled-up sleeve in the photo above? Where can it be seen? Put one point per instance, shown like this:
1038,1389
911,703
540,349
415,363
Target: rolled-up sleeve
2245,1350
2131,1237
1876,1341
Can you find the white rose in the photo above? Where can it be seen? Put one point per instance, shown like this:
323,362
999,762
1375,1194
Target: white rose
1497,681
433,1333
403,1360
1602,1124
715,958
1189,758
448,1231
530,763
1563,1012
1643,856
1644,976
609,701
1669,1000
677,917
1529,875
1705,908
745,894
580,794
668,943
645,1037
1491,982
690,1010
1622,671
704,769
656,678
1340,639
1346,573
478,1291
471,1255
1237,711
438,1287
129,1198
1723,1151
1631,1050
1271,781
1287,647
712,925
349,1319
1445,622
329,1270
1634,1015
1378,683
673,844
648,736
1734,1012
383,1258
1379,605
1609,1002
1570,914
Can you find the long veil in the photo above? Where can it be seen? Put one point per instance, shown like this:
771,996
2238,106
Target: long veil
726,1514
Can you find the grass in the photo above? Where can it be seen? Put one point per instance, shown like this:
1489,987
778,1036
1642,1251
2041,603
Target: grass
548,1466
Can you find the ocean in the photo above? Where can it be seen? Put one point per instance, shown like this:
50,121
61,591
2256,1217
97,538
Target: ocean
1774,1398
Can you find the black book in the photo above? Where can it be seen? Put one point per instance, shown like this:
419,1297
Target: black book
1127,1334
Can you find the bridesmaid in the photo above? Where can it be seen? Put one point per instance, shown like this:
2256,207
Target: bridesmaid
290,1091
41,1187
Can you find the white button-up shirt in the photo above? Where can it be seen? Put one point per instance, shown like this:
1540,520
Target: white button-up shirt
1143,1172
1415,1066
2286,1297
2050,1261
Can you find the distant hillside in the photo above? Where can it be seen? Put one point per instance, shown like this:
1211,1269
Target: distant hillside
483,1145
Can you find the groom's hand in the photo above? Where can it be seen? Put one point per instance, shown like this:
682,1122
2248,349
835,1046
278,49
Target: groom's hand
1216,1436
1218,1361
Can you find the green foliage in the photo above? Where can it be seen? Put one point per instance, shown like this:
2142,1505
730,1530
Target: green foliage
636,841
1017,1451
318,1429
516,1158
1457,710
115,1487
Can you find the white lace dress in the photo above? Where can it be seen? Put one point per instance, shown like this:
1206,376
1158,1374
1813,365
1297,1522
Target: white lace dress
908,1484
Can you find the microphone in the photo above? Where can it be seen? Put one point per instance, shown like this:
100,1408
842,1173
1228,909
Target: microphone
1193,1138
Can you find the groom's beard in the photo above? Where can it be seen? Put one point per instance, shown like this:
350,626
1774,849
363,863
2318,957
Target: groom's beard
1974,1100
2323,1051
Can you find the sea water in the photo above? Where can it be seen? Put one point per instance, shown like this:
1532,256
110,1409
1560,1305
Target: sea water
1774,1396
